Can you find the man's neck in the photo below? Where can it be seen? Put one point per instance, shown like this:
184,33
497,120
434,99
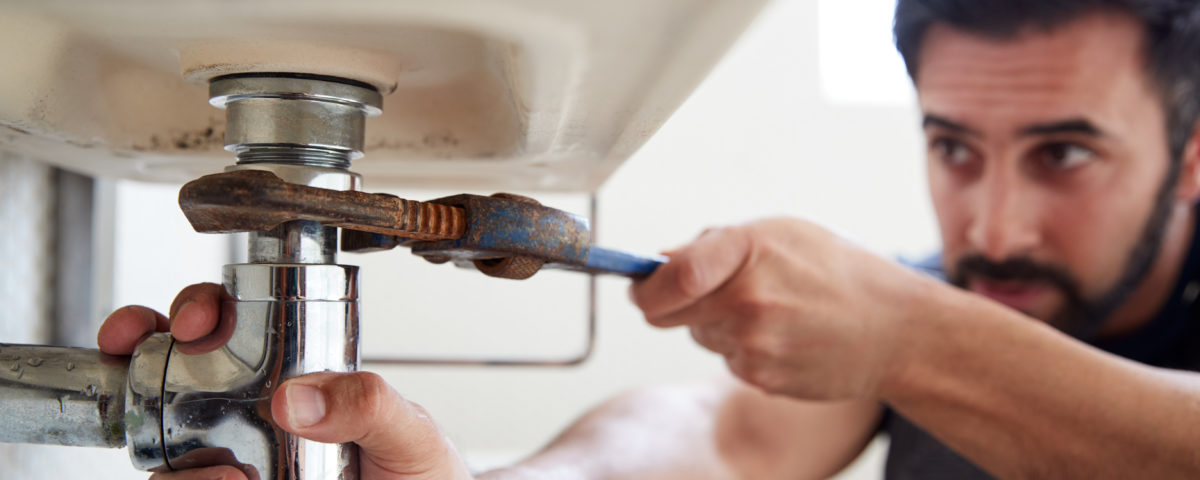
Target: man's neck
1149,298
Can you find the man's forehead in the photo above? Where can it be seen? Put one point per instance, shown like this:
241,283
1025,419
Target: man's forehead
1089,68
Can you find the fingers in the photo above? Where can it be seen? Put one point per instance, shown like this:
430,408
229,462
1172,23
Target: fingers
125,328
714,336
750,371
396,437
195,321
195,311
693,272
223,472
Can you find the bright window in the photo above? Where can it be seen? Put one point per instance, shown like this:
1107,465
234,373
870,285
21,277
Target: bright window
859,64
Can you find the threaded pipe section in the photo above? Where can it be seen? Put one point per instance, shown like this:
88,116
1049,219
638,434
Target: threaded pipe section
304,155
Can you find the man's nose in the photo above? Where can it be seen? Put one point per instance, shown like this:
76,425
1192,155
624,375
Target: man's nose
1004,223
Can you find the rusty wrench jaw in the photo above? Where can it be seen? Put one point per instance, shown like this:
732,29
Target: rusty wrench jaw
257,201
503,235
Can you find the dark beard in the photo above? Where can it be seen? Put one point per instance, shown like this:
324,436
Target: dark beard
1082,317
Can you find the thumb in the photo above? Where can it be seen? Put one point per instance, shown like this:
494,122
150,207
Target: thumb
397,438
694,272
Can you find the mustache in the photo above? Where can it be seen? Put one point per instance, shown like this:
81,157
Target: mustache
1016,269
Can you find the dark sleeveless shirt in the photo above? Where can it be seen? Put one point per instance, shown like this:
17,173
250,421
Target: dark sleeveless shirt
1170,340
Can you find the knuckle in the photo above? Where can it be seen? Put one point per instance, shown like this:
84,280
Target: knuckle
751,303
206,291
756,240
121,311
760,345
749,370
659,321
742,330
758,340
372,394
419,410
137,311
665,321
689,279
706,336
766,380
738,366
202,289
773,384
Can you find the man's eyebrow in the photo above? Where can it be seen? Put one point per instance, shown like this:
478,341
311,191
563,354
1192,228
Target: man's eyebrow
932,120
1074,125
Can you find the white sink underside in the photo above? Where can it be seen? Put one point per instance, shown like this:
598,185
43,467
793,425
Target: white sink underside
479,94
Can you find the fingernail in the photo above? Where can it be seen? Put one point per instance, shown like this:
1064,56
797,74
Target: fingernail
306,405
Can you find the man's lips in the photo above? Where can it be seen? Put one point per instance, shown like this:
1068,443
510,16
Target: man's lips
1023,296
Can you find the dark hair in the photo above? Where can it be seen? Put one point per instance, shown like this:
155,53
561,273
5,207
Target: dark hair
1172,40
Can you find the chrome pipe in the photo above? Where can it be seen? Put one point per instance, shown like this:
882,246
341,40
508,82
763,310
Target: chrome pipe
290,312
177,408
62,396
299,241
282,321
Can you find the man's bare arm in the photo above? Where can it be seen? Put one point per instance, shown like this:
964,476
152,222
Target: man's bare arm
1025,401
797,311
718,430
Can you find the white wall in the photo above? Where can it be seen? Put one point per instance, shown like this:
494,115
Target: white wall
757,139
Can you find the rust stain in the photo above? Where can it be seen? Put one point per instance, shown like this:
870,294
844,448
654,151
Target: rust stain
18,130
205,138
255,201
510,236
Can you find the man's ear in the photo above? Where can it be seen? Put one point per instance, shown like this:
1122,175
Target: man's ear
1188,189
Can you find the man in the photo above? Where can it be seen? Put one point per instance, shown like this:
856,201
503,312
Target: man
1063,165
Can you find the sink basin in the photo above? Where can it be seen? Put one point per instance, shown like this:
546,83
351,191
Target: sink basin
478,94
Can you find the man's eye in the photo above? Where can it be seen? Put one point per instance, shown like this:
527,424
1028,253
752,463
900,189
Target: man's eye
952,152
1064,156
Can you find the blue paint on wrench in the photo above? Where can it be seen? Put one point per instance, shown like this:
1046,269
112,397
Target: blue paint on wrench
603,260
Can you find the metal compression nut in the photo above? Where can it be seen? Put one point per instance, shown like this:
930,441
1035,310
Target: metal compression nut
293,118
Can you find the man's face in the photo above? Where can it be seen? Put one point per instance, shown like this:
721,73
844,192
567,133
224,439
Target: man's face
1046,154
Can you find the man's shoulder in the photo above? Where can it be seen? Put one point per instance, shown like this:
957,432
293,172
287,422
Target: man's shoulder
928,264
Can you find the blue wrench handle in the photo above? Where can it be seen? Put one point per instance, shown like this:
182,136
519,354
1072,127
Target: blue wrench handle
603,260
